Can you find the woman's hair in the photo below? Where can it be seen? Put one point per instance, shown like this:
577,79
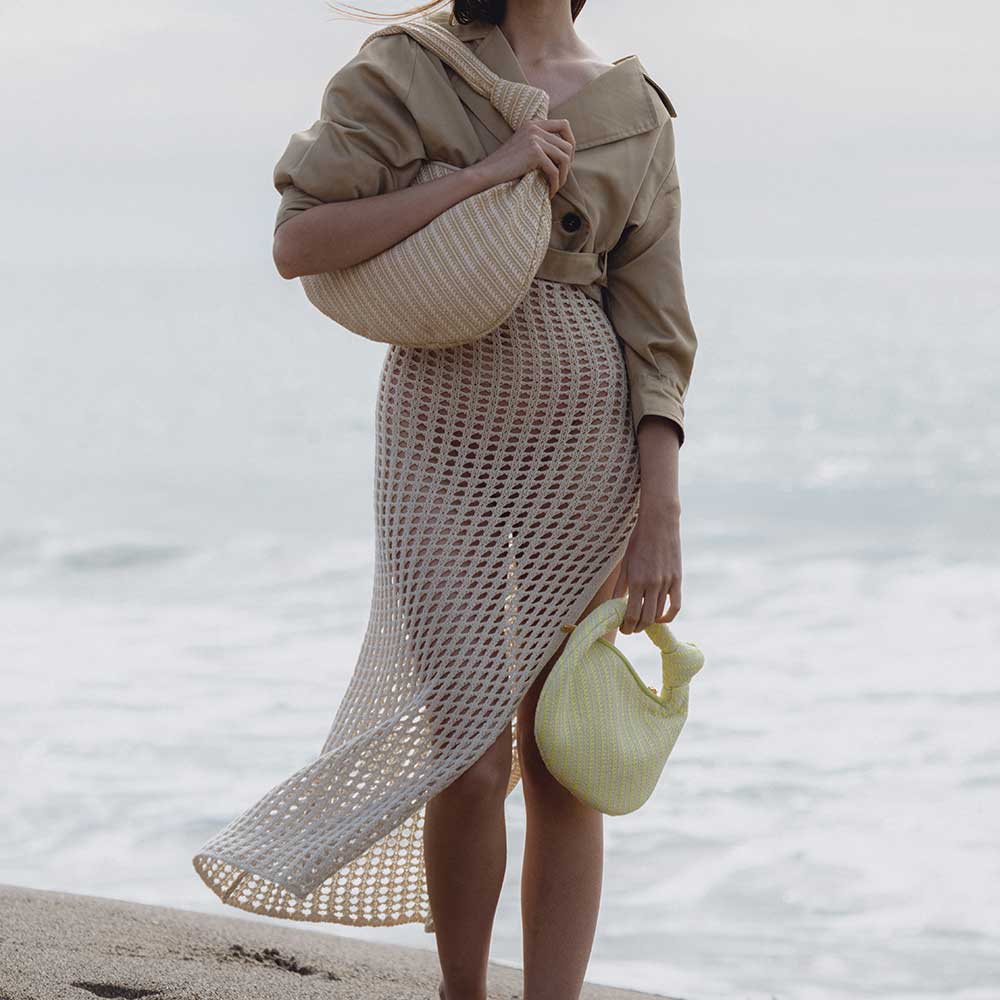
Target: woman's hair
465,11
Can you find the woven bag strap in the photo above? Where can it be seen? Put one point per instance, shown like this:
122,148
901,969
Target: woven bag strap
517,102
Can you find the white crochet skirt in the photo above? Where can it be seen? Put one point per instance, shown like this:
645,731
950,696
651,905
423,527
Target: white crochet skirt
506,487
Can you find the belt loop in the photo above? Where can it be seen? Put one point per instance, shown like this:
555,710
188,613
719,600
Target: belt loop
602,263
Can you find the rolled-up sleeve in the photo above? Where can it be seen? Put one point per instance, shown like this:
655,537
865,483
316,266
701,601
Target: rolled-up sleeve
648,309
365,142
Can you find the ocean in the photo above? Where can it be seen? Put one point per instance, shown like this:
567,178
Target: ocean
186,556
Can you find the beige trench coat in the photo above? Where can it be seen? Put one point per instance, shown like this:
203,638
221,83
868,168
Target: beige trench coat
615,222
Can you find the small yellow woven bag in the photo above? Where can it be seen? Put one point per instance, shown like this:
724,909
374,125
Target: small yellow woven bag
601,731
460,276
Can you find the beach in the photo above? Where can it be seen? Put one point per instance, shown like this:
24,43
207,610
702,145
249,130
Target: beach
62,946
187,508
184,587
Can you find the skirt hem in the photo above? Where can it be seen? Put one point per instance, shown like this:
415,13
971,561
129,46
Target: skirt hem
202,860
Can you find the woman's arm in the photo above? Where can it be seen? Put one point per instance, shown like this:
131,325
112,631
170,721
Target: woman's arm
648,308
651,569
338,234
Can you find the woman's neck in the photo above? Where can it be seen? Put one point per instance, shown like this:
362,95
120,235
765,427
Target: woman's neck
541,30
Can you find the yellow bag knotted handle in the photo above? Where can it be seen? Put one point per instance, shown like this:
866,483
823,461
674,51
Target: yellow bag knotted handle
681,660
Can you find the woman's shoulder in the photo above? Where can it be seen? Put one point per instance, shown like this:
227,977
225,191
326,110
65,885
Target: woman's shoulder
656,163
394,55
382,65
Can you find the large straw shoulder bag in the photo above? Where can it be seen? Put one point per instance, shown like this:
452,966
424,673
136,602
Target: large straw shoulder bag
601,731
460,276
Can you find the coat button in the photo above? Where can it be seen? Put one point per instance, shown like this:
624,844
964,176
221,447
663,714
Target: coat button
571,222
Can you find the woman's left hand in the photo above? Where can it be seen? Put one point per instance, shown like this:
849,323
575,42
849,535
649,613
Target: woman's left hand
651,569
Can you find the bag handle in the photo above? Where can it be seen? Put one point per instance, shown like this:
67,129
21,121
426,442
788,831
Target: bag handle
517,102
681,660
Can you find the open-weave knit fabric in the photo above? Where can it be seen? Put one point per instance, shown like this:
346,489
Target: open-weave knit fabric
507,484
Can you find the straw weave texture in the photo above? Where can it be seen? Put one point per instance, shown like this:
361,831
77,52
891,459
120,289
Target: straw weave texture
602,732
506,488
452,281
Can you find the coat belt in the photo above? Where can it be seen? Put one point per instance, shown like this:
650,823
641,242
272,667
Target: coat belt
574,267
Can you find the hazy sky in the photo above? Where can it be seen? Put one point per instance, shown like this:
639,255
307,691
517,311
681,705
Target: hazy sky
146,130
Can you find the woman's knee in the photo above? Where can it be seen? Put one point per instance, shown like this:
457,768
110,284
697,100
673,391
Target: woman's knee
485,781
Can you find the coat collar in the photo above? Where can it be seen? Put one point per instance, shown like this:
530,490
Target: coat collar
612,106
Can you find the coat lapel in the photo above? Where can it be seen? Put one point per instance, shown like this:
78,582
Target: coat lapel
612,106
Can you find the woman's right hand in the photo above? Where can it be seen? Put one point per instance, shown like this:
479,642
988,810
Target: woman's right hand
546,144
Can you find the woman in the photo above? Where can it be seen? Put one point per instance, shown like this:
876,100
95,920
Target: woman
507,492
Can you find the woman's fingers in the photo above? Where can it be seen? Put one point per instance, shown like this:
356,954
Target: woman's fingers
633,609
675,599
553,159
545,163
560,157
553,142
556,139
647,603
648,613
661,603
560,126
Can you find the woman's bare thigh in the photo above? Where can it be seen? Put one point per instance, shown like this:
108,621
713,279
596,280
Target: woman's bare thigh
604,592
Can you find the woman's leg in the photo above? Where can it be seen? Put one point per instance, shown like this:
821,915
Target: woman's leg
563,862
465,853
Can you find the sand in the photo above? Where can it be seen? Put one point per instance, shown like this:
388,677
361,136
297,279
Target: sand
59,946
